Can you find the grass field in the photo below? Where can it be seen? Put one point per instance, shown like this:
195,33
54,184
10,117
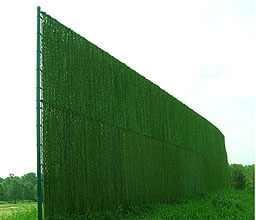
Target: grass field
228,205
16,211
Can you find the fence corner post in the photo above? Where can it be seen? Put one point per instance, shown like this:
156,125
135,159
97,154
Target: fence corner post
38,115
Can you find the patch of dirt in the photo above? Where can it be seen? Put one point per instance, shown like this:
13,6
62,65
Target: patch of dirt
11,207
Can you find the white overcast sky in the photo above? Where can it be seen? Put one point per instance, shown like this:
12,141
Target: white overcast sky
203,52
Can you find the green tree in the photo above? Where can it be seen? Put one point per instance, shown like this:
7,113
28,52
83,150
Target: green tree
29,177
16,190
249,176
6,186
237,176
2,193
29,181
29,191
5,189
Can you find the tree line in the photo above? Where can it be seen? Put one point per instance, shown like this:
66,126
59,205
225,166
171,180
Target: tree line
242,177
15,188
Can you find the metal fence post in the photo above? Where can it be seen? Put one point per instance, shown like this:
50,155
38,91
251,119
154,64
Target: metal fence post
38,115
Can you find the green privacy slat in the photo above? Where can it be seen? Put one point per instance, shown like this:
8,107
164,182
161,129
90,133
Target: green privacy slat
112,137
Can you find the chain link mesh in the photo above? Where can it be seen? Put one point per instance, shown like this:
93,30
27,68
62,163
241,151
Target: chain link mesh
111,137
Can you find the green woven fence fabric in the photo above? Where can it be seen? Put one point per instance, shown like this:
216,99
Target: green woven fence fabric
111,137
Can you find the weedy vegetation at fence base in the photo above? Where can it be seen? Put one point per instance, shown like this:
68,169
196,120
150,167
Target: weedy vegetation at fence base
221,205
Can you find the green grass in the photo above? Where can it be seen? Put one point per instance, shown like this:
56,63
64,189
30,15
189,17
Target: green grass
19,211
19,204
222,205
